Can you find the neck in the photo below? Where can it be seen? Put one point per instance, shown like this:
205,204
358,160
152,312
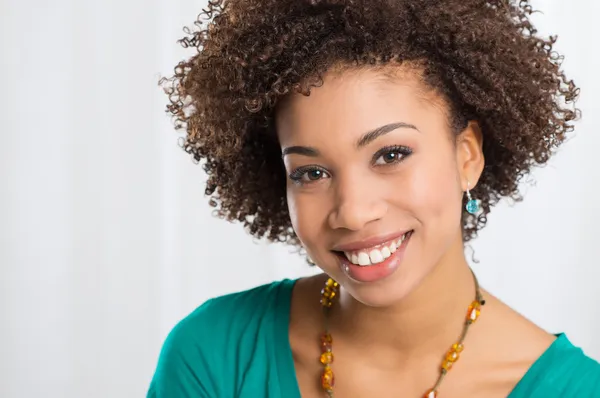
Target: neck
424,323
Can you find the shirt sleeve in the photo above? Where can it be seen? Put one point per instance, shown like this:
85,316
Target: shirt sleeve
585,382
183,369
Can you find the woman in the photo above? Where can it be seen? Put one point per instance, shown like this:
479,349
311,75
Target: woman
376,135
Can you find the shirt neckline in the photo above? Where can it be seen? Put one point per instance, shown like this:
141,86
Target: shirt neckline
285,359
288,382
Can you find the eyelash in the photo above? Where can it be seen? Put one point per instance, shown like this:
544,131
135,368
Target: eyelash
297,174
404,151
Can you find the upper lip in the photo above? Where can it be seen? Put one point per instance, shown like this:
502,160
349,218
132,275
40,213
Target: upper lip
368,243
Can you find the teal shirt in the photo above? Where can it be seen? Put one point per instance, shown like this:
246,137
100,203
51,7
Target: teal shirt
237,346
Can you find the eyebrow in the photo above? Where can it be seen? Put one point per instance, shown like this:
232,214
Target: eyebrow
366,139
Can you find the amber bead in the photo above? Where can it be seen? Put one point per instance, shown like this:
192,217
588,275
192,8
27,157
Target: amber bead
325,302
430,394
452,356
326,358
474,315
326,338
473,311
328,293
457,347
331,283
447,365
327,380
326,342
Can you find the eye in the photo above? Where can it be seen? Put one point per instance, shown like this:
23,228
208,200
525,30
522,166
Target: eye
308,174
391,155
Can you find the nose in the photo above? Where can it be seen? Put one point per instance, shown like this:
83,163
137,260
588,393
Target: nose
356,205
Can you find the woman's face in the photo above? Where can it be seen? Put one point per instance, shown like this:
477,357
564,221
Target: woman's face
376,180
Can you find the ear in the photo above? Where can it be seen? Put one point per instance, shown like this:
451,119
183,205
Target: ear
469,155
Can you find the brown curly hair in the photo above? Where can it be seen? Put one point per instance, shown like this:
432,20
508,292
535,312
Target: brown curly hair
483,56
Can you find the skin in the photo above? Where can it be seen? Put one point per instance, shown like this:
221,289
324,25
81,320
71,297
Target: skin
390,335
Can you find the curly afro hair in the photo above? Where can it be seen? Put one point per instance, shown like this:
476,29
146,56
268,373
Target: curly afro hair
483,56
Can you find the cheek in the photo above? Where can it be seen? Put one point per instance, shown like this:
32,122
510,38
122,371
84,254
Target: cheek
308,212
294,213
435,192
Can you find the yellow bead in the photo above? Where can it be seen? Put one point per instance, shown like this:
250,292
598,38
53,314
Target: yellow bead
452,356
457,347
328,293
331,283
447,365
326,358
327,379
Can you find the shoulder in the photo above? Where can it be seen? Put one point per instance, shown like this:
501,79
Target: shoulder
564,370
230,316
199,352
580,373
236,310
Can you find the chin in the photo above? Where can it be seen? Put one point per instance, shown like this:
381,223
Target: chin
386,293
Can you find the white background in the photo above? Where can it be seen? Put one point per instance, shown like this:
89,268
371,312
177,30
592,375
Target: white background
106,239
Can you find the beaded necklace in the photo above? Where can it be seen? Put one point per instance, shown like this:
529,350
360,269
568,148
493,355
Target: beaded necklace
331,290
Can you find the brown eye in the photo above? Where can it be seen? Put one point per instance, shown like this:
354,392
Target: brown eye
314,175
308,175
391,155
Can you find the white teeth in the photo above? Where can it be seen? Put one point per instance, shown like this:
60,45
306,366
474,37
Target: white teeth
386,252
401,240
375,256
363,259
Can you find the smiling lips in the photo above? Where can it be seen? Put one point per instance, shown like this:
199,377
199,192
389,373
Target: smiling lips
371,261
375,254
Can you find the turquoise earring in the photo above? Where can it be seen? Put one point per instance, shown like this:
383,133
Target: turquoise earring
472,205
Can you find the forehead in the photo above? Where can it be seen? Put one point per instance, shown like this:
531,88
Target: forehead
355,101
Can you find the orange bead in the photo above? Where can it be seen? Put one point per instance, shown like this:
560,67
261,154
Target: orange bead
326,358
452,356
473,311
327,379
457,347
474,314
326,342
447,365
430,394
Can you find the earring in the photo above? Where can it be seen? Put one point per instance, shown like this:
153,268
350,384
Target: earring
472,205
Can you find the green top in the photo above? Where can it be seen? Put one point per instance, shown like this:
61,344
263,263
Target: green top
237,346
